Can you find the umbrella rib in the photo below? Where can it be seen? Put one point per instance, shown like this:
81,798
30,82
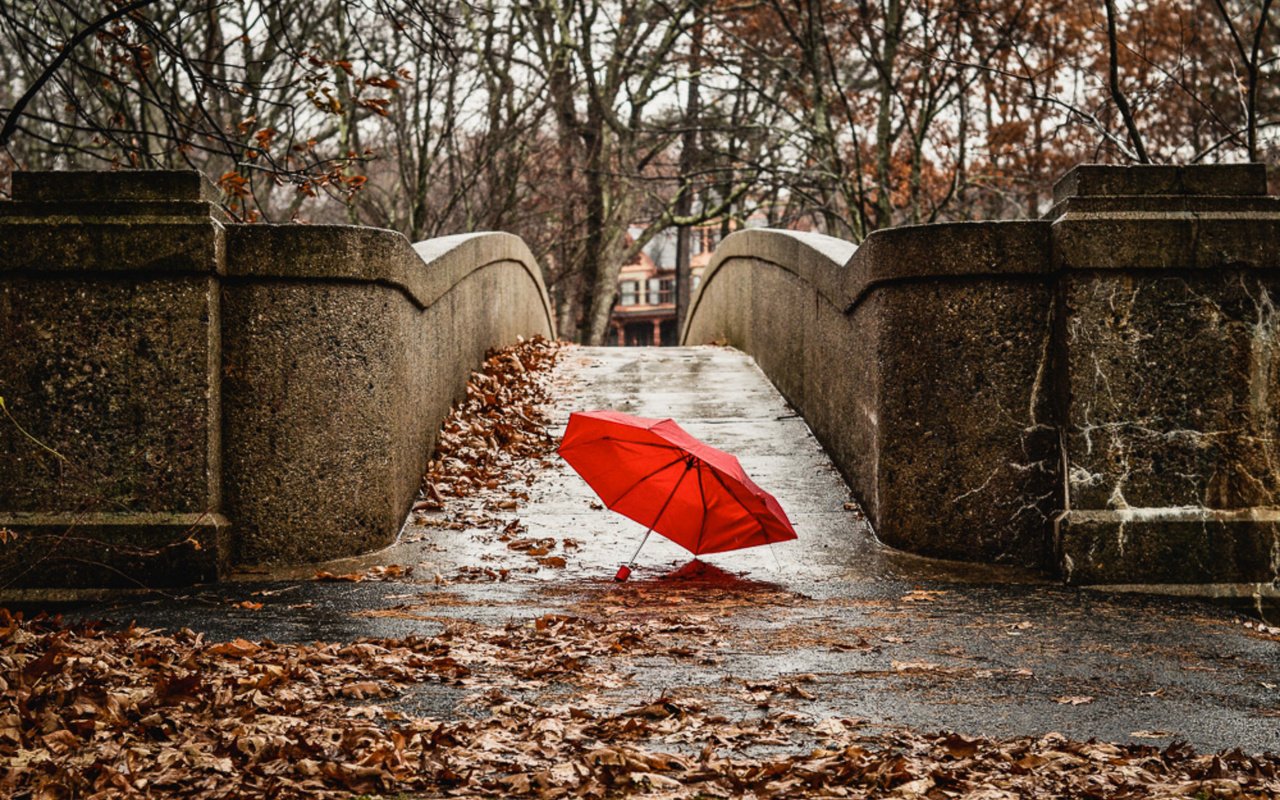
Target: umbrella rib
737,499
639,481
667,502
564,447
702,527
661,511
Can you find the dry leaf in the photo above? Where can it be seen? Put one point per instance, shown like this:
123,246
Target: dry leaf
1073,699
350,577
922,595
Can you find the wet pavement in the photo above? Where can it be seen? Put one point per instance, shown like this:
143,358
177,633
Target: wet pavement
871,633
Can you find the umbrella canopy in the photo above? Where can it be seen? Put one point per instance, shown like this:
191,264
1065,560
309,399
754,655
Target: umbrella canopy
658,475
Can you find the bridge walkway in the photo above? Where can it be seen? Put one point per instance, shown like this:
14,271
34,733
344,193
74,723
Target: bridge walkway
873,634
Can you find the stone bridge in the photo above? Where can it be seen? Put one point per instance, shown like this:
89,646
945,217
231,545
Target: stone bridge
1093,394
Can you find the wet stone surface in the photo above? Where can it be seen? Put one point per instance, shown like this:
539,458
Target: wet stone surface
831,625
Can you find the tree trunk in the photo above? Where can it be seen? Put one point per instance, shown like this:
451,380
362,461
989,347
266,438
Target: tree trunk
688,163
884,116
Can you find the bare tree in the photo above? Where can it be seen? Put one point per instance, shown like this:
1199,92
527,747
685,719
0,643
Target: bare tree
607,71
255,94
1250,61
589,127
1117,95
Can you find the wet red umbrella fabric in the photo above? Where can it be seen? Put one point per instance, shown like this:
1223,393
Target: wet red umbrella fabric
656,473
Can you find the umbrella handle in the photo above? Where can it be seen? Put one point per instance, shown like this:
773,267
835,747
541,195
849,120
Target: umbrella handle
624,571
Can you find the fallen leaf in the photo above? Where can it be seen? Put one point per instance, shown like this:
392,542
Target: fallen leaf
1073,699
329,577
958,746
362,689
237,648
923,595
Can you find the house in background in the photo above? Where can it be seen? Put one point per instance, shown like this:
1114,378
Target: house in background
645,312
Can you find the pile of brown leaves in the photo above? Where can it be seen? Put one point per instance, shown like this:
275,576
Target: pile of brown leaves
142,713
497,431
489,448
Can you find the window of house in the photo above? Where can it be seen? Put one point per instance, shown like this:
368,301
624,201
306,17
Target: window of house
630,293
655,291
667,290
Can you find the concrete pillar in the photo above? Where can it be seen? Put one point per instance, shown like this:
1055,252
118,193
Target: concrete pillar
1169,368
111,308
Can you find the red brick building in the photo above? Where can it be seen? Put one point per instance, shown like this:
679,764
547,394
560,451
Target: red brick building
645,312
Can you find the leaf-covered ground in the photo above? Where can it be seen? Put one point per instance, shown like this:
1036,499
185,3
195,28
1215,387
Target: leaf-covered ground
95,713
634,690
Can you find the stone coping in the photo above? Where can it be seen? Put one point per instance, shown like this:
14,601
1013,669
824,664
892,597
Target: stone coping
451,257
424,272
844,274
107,211
119,185
946,250
812,257
1263,514
1091,180
50,235
117,202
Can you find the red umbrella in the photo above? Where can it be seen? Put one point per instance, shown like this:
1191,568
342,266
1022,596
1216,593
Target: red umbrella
658,475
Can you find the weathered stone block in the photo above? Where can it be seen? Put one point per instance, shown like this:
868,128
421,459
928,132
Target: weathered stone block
967,446
186,395
1097,391
96,186
112,385
1108,180
113,549
1172,383
846,386
1169,390
110,381
313,374
1160,546
921,362
343,349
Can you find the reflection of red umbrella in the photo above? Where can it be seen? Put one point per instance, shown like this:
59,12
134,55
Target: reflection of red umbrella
658,475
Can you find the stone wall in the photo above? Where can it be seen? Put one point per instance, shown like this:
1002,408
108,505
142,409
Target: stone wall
184,395
1095,392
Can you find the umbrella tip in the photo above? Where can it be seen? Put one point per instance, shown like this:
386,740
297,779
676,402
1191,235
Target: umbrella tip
624,572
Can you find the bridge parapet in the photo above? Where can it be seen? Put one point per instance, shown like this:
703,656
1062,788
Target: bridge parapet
1096,392
189,394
